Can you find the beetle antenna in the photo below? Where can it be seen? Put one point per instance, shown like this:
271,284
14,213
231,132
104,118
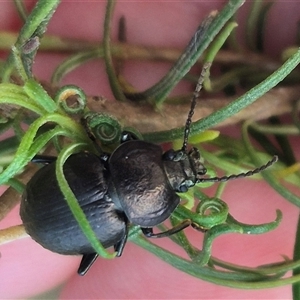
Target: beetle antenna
196,95
241,175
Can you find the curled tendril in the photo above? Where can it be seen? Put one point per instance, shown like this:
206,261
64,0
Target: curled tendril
104,127
210,211
212,215
229,225
71,99
203,257
258,228
214,211
232,226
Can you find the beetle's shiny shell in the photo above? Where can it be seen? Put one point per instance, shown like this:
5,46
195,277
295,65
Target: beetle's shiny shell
141,185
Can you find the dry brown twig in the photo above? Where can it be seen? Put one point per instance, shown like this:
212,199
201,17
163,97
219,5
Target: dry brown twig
146,119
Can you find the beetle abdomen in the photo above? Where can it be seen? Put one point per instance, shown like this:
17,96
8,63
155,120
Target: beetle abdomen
48,219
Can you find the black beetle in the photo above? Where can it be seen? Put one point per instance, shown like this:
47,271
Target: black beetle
137,184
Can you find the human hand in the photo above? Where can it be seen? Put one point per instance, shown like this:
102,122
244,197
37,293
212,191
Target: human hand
28,269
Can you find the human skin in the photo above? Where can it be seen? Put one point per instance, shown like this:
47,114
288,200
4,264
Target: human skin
27,269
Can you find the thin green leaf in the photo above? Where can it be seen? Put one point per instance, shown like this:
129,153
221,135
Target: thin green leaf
73,62
230,279
113,79
219,41
200,41
38,94
72,201
257,229
30,145
21,8
252,22
14,94
35,26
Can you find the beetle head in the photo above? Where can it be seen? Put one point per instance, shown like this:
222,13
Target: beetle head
183,169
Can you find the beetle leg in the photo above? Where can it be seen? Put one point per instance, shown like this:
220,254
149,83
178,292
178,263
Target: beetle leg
128,136
86,262
119,247
43,159
88,259
198,227
148,232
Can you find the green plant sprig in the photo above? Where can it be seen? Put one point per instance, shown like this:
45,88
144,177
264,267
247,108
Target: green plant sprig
240,280
34,27
31,144
33,97
234,107
217,222
199,43
21,9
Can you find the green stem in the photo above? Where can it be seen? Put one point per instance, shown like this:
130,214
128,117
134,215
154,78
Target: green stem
31,144
74,61
239,280
113,79
21,8
199,43
14,94
35,26
252,22
219,41
276,129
